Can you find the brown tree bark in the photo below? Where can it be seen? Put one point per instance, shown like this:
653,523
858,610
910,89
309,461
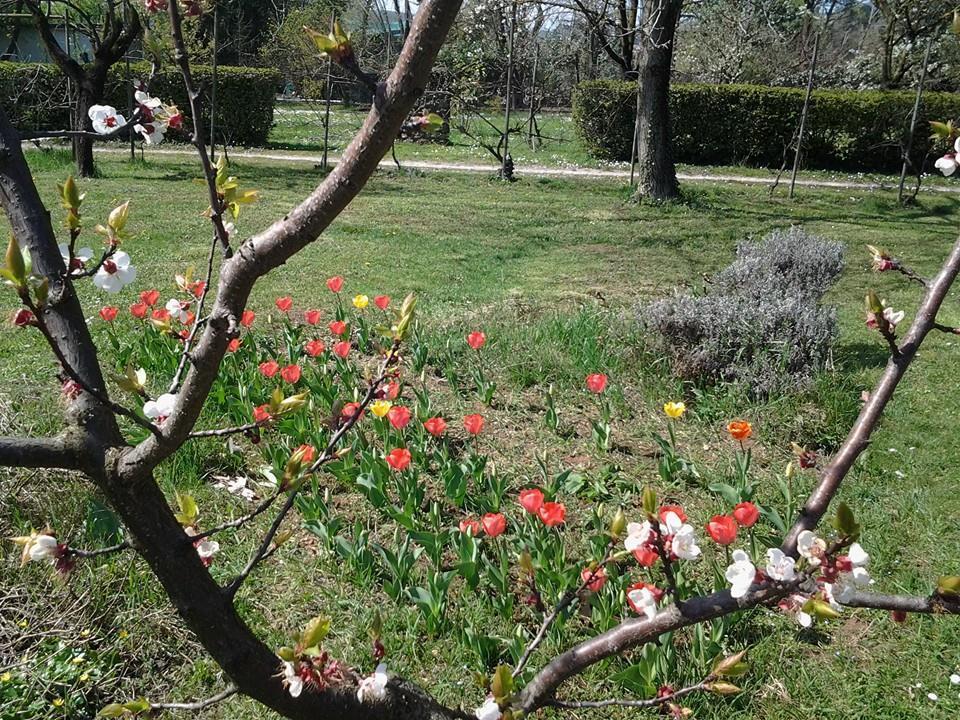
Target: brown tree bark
657,173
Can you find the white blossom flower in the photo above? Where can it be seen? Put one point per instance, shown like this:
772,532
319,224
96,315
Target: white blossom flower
490,710
643,602
779,565
82,255
143,98
115,273
293,681
374,687
671,523
151,132
794,605
740,574
893,316
638,535
947,164
161,408
684,543
37,547
811,547
955,679
206,549
178,310
105,119
857,576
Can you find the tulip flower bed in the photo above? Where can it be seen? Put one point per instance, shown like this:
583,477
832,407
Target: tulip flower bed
517,449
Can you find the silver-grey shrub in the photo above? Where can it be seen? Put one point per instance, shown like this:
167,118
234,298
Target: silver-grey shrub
760,322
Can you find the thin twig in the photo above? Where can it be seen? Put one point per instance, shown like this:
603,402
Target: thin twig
100,397
200,704
242,520
326,456
555,613
616,702
224,432
100,551
188,343
183,62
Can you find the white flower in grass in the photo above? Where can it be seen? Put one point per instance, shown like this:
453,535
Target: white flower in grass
811,547
374,687
740,574
178,310
105,119
293,681
490,710
161,408
779,565
955,679
638,535
947,164
115,273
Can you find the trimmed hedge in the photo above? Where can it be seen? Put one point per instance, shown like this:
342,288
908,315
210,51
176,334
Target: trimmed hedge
35,94
751,125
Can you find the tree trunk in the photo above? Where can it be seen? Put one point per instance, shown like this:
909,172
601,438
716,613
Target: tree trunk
83,146
657,174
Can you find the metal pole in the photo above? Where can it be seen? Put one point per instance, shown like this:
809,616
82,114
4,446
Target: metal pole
533,94
213,89
509,93
326,110
126,58
803,115
913,120
636,134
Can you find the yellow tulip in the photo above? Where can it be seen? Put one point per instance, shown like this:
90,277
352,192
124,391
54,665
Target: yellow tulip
674,409
380,408
360,301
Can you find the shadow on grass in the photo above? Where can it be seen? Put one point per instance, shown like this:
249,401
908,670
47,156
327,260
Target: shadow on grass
861,356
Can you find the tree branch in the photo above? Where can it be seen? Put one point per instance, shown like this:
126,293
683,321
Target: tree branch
933,604
24,452
200,704
859,436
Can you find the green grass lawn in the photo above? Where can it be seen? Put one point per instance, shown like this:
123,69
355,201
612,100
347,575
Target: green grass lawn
553,271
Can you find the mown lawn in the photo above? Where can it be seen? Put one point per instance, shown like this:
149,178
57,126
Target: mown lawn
553,271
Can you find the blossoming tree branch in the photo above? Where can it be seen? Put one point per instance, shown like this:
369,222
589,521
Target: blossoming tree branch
335,397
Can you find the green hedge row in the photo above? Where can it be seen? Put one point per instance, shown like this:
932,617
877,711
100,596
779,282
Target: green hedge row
35,95
751,125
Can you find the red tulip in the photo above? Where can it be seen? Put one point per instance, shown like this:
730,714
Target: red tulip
290,374
338,327
335,284
399,416
435,426
596,382
109,313
469,525
261,413
233,345
284,303
594,578
382,301
139,310
746,513
312,316
160,315
552,513
392,390
314,348
269,368
494,524
350,409
399,459
308,453
342,349
476,339
150,297
646,555
246,319
473,424
531,500
723,529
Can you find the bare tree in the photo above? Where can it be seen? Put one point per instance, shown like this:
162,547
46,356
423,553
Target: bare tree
111,34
